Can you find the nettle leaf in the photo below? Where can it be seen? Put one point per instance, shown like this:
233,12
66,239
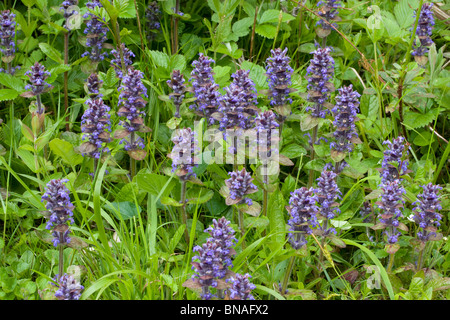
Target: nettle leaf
12,82
177,62
61,68
241,28
8,94
415,120
268,31
125,8
51,52
404,13
161,59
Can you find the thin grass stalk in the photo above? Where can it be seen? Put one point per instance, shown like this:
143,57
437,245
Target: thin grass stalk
175,29
183,209
66,78
252,40
287,275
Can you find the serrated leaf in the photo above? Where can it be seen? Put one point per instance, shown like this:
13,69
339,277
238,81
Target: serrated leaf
161,59
416,120
8,94
266,30
11,82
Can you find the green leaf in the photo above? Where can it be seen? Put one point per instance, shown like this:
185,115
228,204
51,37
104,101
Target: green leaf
266,30
176,237
272,16
160,59
199,196
170,202
8,94
277,223
383,273
125,8
12,82
65,151
241,28
51,52
293,151
59,69
177,62
423,139
154,183
123,210
404,13
415,120
27,158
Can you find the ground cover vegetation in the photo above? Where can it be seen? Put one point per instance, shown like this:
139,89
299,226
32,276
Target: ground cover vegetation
224,149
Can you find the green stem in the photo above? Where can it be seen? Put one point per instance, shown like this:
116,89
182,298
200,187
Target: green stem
66,79
183,210
287,275
313,155
241,226
391,262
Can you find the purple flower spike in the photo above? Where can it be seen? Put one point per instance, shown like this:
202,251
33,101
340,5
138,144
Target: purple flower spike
60,207
241,287
240,184
117,62
93,85
96,31
391,202
279,77
234,109
96,126
345,113
320,74
176,83
328,11
303,210
68,287
393,165
184,154
241,79
424,30
7,34
37,75
153,18
265,125
131,103
209,266
426,211
205,89
223,234
327,192
66,9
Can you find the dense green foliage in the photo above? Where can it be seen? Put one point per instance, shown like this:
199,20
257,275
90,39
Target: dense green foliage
130,240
